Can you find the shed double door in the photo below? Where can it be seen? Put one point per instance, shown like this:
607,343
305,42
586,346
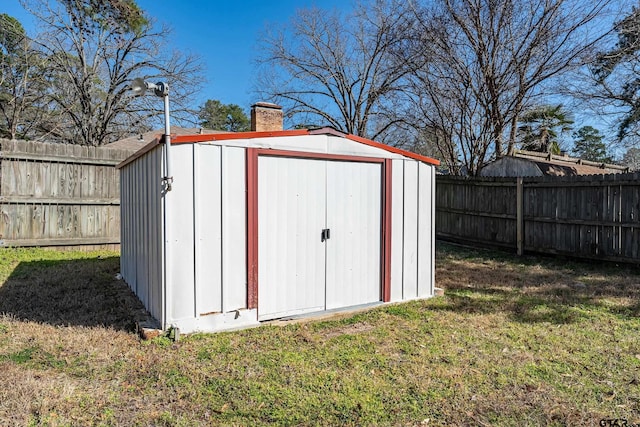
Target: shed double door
319,231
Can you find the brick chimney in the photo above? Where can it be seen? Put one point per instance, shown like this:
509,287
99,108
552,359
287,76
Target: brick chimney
266,117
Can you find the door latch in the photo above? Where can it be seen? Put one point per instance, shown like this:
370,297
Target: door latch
325,235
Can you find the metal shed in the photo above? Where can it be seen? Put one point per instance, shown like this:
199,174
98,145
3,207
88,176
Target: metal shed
267,225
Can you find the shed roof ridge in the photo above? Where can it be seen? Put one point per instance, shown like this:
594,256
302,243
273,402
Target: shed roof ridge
329,131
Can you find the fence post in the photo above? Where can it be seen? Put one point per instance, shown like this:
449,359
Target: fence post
519,216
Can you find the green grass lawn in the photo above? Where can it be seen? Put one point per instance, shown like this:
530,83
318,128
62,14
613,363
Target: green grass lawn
514,341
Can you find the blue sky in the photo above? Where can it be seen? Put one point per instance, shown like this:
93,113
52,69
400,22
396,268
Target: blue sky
224,33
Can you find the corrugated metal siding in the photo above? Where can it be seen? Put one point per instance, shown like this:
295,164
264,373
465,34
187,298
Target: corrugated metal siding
412,230
207,239
234,231
397,229
426,230
180,236
220,229
354,211
207,178
141,233
297,199
208,226
125,217
291,216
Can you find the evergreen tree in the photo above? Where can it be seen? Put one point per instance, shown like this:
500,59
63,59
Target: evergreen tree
227,117
588,144
124,15
23,77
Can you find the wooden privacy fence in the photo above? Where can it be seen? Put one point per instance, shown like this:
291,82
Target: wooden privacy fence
592,216
59,194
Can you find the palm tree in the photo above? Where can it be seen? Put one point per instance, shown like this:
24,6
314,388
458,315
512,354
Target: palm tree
540,128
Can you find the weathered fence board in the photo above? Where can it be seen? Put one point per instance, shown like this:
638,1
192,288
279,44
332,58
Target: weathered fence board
593,216
59,194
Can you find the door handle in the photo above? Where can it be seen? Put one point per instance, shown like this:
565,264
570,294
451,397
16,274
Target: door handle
325,234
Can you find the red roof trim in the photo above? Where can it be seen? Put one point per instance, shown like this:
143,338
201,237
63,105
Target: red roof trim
393,149
183,139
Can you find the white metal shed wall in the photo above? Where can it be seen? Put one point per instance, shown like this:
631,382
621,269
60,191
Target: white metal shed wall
412,230
207,275
206,228
141,260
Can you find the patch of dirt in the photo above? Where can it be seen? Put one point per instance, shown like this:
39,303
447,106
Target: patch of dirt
356,328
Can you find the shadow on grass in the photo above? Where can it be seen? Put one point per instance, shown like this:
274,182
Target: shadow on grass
71,293
534,289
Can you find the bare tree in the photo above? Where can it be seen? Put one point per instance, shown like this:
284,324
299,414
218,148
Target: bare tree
616,73
631,158
328,68
91,64
488,61
443,101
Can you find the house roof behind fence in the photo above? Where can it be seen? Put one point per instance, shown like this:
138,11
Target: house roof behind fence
563,165
139,141
547,164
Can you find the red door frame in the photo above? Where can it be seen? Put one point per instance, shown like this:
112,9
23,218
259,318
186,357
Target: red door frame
252,214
